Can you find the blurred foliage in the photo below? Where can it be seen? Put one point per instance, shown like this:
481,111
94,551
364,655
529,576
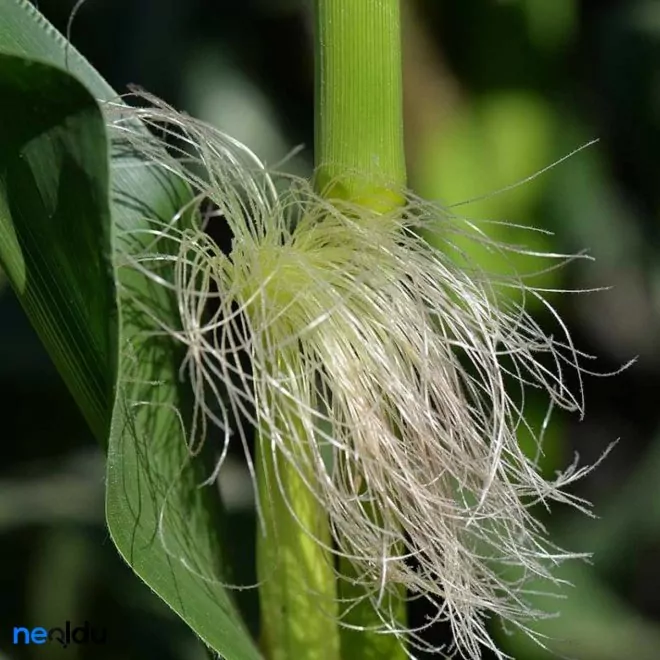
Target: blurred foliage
495,91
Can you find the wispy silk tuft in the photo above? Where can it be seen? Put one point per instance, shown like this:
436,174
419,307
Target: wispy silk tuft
391,374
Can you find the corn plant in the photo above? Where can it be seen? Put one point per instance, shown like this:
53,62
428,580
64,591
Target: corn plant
380,375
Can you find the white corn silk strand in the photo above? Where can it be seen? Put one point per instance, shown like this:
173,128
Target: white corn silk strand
390,374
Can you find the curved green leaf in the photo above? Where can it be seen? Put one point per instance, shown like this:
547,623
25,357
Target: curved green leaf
64,219
53,181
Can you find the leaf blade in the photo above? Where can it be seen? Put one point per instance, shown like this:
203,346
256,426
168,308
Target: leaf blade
49,161
165,527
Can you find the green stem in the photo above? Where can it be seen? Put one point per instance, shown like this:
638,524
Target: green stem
360,158
297,588
359,102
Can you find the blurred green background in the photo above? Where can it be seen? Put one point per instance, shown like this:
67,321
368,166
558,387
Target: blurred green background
494,91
